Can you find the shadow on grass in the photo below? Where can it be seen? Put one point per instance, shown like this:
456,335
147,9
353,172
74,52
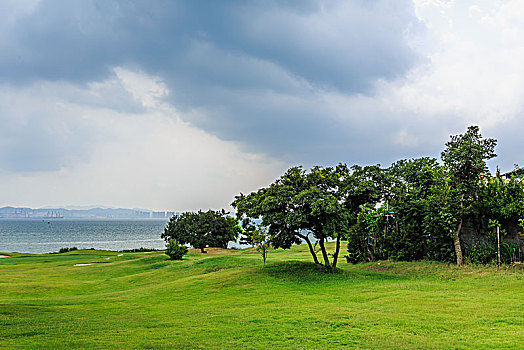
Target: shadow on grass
218,263
308,272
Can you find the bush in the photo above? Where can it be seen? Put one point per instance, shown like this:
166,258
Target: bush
510,253
65,250
174,250
481,254
487,254
139,250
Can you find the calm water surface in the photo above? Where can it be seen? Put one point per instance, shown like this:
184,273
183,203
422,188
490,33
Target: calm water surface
44,236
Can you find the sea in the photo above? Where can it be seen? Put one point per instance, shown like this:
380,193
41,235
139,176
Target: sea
49,235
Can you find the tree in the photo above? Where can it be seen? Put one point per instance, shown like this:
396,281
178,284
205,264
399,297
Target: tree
500,207
258,236
502,200
202,229
363,190
411,202
322,202
294,206
402,212
465,159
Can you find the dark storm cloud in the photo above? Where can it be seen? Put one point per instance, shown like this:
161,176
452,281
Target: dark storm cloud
344,45
251,72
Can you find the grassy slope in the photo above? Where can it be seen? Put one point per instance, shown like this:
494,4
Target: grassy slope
228,300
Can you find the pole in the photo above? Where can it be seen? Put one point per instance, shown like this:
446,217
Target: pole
498,247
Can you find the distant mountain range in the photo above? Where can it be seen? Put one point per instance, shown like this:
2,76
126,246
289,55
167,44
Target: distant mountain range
76,212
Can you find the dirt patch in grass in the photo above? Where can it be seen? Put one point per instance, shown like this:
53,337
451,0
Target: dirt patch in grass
213,251
5,256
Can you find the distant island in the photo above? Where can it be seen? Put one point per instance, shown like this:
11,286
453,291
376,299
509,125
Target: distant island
78,213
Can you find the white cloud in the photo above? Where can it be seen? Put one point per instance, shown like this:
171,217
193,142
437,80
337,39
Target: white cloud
147,159
147,90
475,70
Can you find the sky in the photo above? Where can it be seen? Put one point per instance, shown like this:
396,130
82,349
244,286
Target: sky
181,105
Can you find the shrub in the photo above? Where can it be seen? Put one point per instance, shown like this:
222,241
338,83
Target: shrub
487,254
174,250
510,252
481,254
65,250
139,250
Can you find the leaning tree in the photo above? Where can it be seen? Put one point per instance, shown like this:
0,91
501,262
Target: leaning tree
296,205
320,202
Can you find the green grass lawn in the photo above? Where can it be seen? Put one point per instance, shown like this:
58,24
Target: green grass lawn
227,299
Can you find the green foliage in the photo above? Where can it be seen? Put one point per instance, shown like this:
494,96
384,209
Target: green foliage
411,223
66,250
481,254
439,222
465,159
203,229
424,205
501,201
139,250
322,202
355,253
415,209
438,228
175,250
487,253
510,253
259,237
370,225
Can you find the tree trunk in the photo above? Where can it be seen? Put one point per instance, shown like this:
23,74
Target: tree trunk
456,243
375,243
425,247
337,249
324,253
311,250
371,257
456,238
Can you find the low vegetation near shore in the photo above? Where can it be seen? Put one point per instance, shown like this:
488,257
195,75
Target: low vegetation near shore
229,299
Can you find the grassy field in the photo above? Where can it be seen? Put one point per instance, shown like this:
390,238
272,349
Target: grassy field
227,299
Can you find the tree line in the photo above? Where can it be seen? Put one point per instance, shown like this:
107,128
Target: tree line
415,209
